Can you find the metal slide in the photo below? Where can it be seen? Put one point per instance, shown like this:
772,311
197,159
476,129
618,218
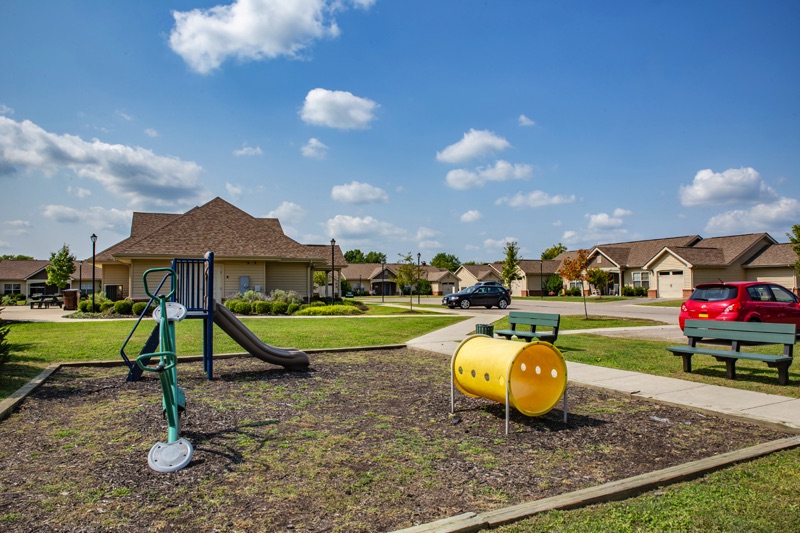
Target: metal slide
290,358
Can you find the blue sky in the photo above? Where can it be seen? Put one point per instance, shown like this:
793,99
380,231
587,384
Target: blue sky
401,126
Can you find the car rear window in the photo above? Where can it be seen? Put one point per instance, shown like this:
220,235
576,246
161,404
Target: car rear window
714,294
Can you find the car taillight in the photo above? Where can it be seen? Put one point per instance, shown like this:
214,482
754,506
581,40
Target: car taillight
684,309
733,308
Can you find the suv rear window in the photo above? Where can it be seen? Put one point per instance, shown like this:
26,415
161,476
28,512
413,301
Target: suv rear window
714,293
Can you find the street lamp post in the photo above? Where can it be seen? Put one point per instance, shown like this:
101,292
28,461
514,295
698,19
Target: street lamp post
80,279
383,279
541,279
94,242
418,277
333,273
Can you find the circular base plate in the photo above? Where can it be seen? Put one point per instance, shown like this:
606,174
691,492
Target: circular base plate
170,457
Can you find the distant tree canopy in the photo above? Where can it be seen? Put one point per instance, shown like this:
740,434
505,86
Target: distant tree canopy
794,237
375,257
16,257
553,252
357,256
575,270
446,261
354,256
61,267
599,278
510,272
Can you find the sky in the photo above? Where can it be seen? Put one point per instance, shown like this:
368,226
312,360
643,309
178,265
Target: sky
401,127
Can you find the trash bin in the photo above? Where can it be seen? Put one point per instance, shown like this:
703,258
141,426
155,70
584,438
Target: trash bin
484,329
71,299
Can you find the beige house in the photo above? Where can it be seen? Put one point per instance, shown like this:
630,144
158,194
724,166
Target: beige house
469,275
249,253
30,277
533,274
371,277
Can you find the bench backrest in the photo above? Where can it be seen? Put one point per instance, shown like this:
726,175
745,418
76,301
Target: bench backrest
741,331
534,319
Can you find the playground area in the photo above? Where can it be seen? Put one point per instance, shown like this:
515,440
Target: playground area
360,441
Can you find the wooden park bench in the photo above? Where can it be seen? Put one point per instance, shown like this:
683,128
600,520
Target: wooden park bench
738,334
533,320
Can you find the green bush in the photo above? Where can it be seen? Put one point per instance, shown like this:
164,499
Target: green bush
123,307
85,306
253,296
243,308
627,290
107,307
8,299
329,310
317,303
640,291
138,307
261,307
279,308
5,347
293,308
232,303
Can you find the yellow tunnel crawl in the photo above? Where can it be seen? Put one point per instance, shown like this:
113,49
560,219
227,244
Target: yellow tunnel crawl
535,373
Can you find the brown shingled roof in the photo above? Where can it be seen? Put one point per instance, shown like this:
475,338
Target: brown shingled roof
637,253
217,226
774,255
21,269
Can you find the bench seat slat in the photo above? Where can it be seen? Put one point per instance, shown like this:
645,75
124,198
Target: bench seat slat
729,354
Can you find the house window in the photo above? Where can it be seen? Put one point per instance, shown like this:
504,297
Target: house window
641,279
576,284
12,288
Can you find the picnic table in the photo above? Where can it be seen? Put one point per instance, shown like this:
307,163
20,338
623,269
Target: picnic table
39,302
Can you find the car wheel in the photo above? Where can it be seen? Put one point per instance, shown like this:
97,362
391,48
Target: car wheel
464,304
502,304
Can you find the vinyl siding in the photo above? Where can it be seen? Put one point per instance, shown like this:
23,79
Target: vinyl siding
117,275
782,276
289,277
236,269
137,269
712,275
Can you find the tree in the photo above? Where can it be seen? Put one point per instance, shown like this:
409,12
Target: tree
446,261
320,278
599,278
553,252
354,256
375,257
510,271
61,267
553,284
574,269
16,257
794,237
408,274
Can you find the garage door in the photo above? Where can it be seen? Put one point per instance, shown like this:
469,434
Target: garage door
670,284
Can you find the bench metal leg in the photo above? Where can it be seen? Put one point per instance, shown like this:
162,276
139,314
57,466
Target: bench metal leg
783,374
730,368
687,362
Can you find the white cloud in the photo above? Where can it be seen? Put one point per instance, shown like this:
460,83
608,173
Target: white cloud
5,245
314,149
602,221
569,237
525,121
620,212
79,192
777,216
498,244
474,144
113,219
358,193
18,227
462,179
430,245
151,132
134,173
471,216
535,199
735,185
250,30
426,233
289,212
337,109
234,191
5,110
125,116
248,151
347,227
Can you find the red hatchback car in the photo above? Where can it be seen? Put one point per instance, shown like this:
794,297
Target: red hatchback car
743,301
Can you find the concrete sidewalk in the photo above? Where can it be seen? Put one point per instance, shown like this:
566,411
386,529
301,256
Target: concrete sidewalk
747,405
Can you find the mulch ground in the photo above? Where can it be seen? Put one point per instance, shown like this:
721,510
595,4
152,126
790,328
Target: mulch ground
362,441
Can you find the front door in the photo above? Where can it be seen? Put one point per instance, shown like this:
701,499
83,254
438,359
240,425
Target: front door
219,282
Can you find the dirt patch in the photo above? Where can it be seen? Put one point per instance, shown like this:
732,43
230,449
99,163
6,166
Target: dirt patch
363,441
